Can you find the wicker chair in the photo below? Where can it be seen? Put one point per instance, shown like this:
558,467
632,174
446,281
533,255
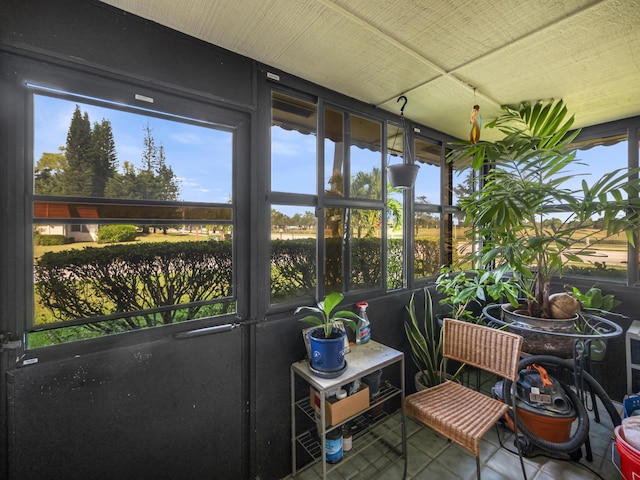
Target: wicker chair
458,412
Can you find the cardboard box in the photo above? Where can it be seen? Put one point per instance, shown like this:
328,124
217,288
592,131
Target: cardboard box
337,411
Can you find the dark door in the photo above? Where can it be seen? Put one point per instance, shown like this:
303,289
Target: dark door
153,384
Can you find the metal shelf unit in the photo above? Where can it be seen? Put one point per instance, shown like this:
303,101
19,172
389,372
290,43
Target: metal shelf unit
362,360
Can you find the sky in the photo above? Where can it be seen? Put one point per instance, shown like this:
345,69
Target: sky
200,157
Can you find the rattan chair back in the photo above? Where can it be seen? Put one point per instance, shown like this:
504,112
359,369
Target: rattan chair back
490,349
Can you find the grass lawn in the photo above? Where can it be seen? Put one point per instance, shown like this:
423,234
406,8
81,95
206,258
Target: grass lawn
38,250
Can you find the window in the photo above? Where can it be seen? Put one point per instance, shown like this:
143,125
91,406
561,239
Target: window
293,145
365,158
353,202
338,222
293,230
396,277
461,181
333,152
133,218
609,255
427,209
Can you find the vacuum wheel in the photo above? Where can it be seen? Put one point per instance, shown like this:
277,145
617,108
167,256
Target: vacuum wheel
526,447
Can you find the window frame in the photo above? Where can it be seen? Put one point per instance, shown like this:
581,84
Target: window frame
83,87
442,209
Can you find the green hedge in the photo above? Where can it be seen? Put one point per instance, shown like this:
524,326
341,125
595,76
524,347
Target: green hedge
46,240
141,277
127,278
116,233
293,265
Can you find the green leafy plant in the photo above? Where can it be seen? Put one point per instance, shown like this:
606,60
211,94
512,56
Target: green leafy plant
593,299
525,181
425,339
464,289
325,316
594,305
116,233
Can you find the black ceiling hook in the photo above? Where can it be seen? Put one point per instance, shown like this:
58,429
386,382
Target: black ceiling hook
402,97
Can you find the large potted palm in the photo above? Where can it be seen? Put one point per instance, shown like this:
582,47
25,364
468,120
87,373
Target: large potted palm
525,180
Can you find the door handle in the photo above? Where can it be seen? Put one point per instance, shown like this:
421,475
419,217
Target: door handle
200,332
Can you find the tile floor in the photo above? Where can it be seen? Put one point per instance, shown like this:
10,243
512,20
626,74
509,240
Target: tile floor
430,456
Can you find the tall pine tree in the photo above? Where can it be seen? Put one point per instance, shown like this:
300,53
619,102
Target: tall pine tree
77,179
88,161
158,181
89,166
103,155
153,181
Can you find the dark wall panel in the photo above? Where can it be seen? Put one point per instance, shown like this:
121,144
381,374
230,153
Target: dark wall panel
167,409
97,35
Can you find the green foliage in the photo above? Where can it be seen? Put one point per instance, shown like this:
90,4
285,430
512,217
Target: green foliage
77,179
293,265
468,288
153,181
47,174
116,233
426,258
89,166
593,299
366,262
94,282
394,264
116,279
293,269
120,325
425,339
526,183
46,240
324,314
595,269
103,151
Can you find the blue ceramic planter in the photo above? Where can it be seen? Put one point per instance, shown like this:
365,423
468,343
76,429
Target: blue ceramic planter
327,354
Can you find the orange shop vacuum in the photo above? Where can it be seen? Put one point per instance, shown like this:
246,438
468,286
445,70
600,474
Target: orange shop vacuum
546,412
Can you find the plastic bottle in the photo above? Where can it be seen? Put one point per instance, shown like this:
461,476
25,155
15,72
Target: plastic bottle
346,438
333,446
364,327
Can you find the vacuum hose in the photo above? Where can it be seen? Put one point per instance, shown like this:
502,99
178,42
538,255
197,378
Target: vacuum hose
580,433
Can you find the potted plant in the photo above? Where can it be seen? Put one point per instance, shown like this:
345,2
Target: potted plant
425,339
465,292
594,306
327,341
525,181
